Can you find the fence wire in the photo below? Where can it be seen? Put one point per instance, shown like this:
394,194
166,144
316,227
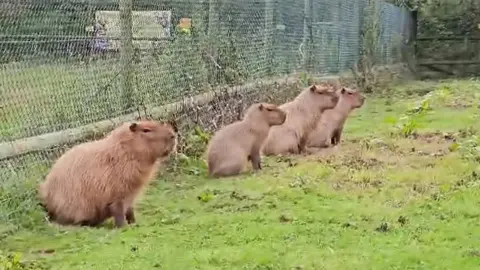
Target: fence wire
61,66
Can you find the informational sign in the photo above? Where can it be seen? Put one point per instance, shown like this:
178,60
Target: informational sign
147,27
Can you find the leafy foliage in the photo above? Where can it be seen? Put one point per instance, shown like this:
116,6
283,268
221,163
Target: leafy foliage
12,261
409,122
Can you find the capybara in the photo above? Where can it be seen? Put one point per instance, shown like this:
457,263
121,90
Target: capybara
330,126
234,145
97,180
302,114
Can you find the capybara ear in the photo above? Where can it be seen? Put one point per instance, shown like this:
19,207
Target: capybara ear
313,88
343,91
260,106
133,127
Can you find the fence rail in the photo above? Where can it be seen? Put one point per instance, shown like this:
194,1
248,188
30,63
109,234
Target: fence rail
72,63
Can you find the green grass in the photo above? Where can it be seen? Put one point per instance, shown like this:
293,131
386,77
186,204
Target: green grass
378,201
39,98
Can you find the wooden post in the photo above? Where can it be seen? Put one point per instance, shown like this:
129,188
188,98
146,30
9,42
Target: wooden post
126,53
269,33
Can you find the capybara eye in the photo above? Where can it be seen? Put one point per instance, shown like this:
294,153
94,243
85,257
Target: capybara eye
146,130
172,137
268,109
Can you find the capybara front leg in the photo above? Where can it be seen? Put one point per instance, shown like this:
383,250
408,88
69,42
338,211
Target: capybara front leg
255,158
118,213
301,145
130,215
336,137
256,162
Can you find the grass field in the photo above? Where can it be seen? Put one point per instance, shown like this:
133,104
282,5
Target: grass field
41,98
380,200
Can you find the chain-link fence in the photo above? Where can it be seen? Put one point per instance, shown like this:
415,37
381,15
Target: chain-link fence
65,64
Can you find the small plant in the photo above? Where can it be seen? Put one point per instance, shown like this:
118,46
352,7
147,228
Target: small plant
195,142
467,132
206,196
409,122
420,109
469,148
13,261
305,79
191,150
443,94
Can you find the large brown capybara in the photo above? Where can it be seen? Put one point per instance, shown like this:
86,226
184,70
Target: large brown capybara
302,115
97,180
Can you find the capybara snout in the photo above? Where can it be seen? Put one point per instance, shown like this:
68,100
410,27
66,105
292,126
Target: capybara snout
361,101
352,97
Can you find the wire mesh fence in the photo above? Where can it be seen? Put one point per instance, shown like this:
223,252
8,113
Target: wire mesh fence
62,66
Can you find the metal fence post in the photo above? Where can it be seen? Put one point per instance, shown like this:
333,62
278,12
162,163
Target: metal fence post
307,34
126,53
269,32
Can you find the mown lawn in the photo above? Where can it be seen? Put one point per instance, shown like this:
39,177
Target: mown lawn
378,201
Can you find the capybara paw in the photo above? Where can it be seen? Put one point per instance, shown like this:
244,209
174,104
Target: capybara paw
131,219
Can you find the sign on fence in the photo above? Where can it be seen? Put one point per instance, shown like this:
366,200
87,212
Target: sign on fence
147,26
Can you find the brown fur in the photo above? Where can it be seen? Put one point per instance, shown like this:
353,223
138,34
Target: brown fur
235,144
302,114
97,180
330,126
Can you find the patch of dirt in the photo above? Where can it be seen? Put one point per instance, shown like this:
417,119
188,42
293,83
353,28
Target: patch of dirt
358,153
236,201
437,136
353,162
461,102
342,184
473,253
433,144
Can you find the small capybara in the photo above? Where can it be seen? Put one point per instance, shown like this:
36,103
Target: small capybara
97,180
302,115
234,145
330,126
